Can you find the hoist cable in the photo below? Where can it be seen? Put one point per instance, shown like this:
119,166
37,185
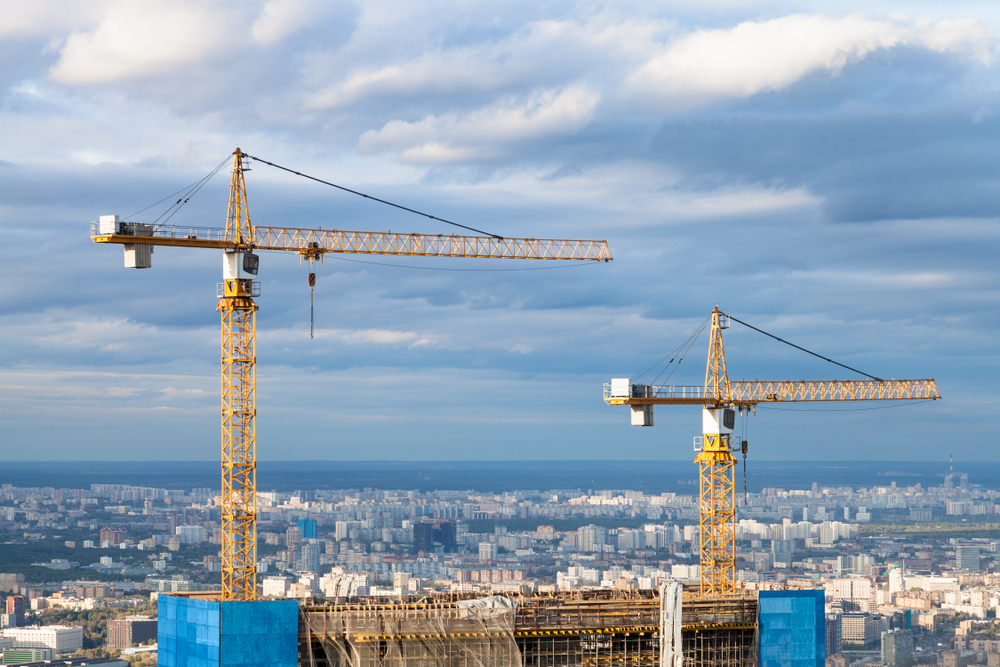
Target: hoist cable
190,189
381,201
780,340
673,353
690,343
184,200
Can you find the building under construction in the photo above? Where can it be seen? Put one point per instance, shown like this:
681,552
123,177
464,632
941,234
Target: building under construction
599,627
605,627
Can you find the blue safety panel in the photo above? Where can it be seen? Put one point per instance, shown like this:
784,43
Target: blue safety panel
195,633
791,629
187,632
260,634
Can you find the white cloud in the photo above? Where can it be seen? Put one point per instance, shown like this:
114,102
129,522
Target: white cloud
137,40
351,337
483,132
44,18
771,55
537,52
282,18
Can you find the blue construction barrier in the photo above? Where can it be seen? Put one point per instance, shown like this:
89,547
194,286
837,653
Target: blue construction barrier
196,633
791,629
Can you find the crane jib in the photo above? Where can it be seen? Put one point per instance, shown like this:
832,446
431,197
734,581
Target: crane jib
747,393
319,241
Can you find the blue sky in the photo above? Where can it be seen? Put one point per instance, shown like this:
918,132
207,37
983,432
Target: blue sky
825,171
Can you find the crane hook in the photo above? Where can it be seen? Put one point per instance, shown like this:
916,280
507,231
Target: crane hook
312,284
745,447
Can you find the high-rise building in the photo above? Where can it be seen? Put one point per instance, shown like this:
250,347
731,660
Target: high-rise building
15,607
308,527
309,561
275,586
897,647
191,534
445,535
858,631
833,636
855,593
131,630
341,531
487,552
896,580
966,558
423,537
10,582
591,539
293,536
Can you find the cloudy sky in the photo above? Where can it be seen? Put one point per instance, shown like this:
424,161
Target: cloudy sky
825,171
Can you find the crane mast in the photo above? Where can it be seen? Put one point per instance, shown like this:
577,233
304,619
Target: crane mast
715,449
239,399
716,467
238,314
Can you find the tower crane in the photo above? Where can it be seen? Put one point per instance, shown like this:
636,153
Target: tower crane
239,241
716,448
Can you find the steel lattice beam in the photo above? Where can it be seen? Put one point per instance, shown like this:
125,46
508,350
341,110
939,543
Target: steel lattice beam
717,516
239,446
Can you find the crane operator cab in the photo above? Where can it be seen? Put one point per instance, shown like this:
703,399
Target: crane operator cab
238,272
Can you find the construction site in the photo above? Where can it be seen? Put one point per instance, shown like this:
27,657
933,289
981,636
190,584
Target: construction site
713,623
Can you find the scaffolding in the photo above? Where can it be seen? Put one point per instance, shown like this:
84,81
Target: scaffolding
601,628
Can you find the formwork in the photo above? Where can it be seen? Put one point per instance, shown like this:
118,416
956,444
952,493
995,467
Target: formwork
601,628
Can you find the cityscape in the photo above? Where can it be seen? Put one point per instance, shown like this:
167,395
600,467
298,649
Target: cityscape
907,571
370,333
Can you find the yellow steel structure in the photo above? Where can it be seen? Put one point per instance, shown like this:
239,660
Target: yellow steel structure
316,242
716,487
715,460
239,408
239,314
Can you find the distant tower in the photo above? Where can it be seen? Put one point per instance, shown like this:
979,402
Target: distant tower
951,464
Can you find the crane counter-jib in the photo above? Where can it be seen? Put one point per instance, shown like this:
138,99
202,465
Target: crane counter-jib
318,241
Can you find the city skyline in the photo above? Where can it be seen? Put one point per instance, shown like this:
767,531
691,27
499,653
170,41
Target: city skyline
912,560
838,193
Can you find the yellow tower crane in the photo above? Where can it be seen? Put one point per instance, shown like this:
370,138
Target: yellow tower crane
238,241
716,448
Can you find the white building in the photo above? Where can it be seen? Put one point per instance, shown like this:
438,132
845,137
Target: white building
59,638
487,552
685,572
276,586
896,580
341,585
854,588
932,583
191,534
